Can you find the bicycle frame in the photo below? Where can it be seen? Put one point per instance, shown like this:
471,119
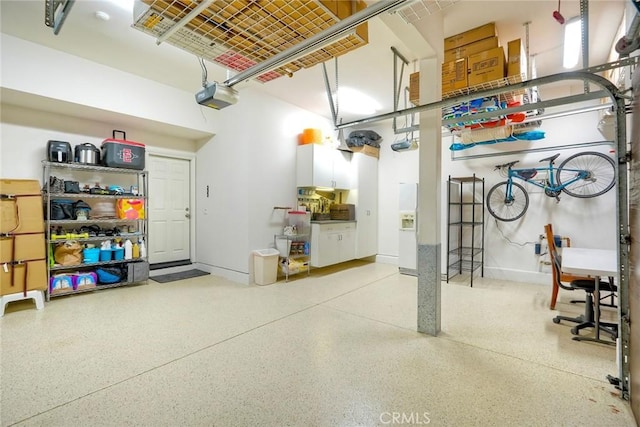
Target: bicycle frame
549,183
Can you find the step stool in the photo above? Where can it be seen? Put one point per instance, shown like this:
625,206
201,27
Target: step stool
37,296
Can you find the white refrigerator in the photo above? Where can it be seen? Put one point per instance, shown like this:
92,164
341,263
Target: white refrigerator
407,219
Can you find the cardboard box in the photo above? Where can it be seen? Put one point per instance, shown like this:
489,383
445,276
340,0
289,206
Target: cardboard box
27,204
516,59
367,150
473,35
486,66
22,247
12,280
454,75
414,88
469,49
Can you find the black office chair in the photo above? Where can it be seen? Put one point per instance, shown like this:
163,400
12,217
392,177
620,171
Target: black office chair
586,320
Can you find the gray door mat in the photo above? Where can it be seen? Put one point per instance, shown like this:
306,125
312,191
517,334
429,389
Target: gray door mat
172,277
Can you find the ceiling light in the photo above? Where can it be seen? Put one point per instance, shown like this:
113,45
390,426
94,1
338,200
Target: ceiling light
103,16
354,101
572,42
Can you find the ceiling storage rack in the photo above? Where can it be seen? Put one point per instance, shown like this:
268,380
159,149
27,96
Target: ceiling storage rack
606,90
94,228
240,34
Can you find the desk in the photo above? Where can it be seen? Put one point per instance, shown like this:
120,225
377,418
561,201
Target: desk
591,262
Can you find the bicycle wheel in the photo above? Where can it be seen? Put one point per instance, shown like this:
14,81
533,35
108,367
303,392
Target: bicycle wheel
507,208
598,170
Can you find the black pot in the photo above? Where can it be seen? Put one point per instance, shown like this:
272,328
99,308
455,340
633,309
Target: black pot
87,154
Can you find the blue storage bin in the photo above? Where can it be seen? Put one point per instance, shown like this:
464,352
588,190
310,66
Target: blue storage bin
118,253
105,254
91,255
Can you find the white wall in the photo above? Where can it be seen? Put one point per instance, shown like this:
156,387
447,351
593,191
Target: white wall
571,217
37,70
250,169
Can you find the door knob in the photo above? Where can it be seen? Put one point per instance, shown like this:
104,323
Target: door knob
187,215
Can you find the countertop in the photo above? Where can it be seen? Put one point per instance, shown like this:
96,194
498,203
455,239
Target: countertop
332,221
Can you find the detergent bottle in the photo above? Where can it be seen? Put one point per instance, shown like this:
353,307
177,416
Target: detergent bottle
128,249
143,249
136,250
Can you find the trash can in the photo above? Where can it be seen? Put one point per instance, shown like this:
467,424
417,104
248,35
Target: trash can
265,266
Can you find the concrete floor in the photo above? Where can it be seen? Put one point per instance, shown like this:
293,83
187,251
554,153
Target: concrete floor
337,348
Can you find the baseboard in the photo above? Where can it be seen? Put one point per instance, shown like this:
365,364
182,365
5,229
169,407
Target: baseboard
234,276
387,259
521,276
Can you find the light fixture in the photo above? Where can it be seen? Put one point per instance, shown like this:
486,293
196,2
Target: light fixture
572,39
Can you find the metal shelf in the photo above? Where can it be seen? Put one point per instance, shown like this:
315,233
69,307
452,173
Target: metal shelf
91,221
94,239
94,264
461,226
140,227
95,288
93,196
79,166
466,251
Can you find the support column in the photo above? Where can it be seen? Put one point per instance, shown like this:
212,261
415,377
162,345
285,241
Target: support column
429,201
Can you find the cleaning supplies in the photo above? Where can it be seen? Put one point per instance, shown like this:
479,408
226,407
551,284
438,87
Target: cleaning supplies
128,249
136,250
143,249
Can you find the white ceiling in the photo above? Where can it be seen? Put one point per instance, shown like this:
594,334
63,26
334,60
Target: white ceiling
116,44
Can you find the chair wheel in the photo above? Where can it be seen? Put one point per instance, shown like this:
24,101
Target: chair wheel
556,320
575,331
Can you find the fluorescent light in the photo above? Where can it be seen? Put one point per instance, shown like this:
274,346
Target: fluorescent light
572,42
355,102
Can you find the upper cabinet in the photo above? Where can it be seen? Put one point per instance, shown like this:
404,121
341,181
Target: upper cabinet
322,166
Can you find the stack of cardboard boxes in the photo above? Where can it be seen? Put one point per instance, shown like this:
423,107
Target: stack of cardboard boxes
473,58
23,264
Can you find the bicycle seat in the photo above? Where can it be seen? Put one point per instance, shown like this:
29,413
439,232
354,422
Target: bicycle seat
550,159
507,165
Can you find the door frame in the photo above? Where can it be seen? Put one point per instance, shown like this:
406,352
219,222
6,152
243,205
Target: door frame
191,158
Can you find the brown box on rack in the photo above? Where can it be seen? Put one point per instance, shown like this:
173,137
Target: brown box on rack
22,213
414,88
367,150
469,49
486,66
470,36
516,60
454,75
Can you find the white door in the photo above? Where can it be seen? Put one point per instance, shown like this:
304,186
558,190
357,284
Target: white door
170,209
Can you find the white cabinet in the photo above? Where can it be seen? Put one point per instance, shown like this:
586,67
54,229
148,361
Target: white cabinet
332,243
365,196
322,166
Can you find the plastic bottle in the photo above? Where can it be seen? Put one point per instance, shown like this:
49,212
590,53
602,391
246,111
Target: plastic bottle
128,249
143,249
136,250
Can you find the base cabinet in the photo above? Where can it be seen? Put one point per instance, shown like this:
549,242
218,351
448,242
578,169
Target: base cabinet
332,243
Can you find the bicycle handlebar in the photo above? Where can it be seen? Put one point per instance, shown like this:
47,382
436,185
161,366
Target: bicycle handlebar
506,165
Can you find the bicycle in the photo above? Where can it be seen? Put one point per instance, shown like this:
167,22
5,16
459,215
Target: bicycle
583,175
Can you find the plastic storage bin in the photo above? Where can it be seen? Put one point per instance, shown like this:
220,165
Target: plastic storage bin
265,266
